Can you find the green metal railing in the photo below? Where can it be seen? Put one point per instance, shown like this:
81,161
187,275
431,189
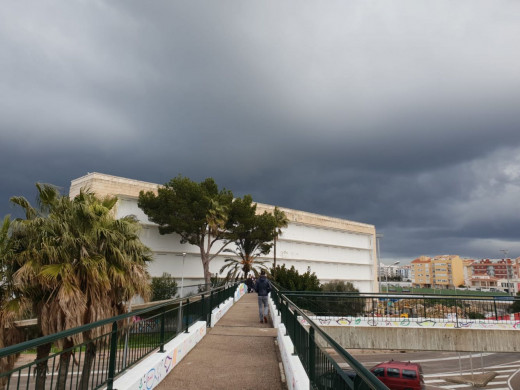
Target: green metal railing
460,310
312,345
92,355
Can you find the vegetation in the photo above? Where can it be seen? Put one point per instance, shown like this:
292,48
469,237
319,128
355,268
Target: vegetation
203,215
252,235
163,287
338,306
70,262
8,333
197,212
290,279
515,307
77,265
339,286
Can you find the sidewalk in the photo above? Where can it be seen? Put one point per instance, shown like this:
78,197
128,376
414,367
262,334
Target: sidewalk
238,353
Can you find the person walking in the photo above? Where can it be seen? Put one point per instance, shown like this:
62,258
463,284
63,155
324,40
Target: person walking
250,284
263,287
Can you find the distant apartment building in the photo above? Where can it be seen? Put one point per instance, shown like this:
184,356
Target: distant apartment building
448,271
389,271
406,272
422,272
495,274
467,265
500,269
441,272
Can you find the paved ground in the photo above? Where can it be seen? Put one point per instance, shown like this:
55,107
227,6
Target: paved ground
452,370
238,353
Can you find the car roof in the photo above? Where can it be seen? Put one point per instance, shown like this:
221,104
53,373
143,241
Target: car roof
396,363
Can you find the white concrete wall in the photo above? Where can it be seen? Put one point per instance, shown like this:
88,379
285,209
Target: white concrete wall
330,253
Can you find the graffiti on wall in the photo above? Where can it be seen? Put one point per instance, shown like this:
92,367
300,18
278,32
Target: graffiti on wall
171,358
412,322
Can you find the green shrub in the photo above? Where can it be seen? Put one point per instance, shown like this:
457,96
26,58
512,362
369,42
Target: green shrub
339,286
341,306
290,279
164,287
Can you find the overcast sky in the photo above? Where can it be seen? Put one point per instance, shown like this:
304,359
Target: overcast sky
401,114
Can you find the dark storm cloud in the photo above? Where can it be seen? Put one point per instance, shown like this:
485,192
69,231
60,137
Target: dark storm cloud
403,115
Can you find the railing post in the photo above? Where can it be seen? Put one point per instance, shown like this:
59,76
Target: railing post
210,309
286,309
187,314
456,314
112,357
312,356
203,307
496,312
294,324
162,331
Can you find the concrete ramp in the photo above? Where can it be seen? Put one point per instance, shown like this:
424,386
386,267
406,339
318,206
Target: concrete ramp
238,353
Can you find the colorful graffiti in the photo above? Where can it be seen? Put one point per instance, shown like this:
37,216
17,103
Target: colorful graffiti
175,351
151,377
404,321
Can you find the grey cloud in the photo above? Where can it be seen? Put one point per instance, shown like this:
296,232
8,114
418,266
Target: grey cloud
400,115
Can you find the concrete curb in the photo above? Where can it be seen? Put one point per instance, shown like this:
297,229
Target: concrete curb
153,369
478,380
297,378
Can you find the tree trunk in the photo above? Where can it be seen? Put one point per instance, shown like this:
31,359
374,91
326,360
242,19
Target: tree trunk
207,274
274,258
205,265
65,360
8,336
246,269
42,352
90,357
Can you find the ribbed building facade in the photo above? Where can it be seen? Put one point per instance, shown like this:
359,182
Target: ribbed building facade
333,248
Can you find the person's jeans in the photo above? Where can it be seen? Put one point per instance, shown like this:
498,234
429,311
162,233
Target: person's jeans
263,309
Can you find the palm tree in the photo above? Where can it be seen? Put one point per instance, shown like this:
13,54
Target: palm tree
78,265
246,263
281,222
252,235
9,334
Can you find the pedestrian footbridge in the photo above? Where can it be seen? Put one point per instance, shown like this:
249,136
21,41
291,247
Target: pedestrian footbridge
214,341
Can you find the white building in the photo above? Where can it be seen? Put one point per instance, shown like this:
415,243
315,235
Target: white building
389,271
333,248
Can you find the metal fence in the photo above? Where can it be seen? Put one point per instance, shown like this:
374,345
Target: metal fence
91,356
301,311
459,310
315,348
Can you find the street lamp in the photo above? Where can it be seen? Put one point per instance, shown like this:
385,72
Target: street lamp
182,274
182,287
386,274
378,237
505,252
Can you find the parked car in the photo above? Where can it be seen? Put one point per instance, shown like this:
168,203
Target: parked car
400,375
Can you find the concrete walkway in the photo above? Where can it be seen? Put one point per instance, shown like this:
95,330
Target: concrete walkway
238,353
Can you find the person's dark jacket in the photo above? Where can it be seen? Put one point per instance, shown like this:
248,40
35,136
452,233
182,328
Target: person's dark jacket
262,286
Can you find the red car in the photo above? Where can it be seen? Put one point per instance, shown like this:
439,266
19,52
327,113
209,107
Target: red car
400,375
